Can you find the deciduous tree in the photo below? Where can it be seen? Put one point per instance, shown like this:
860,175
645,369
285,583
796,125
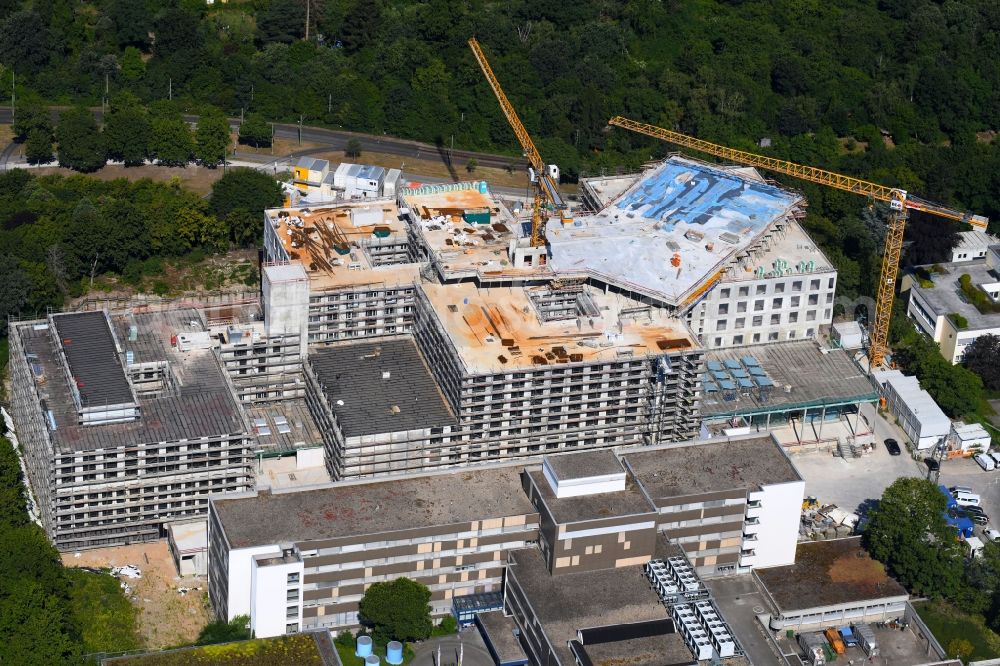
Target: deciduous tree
246,189
908,533
172,142
80,145
255,131
127,135
212,137
38,147
983,358
398,610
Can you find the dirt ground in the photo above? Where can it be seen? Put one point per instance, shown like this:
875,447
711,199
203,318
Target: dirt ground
165,617
195,178
432,166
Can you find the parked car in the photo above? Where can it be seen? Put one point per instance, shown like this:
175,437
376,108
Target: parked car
960,489
995,455
979,518
892,446
991,534
932,464
975,509
967,499
985,461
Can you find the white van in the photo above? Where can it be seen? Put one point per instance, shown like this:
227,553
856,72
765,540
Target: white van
985,461
967,499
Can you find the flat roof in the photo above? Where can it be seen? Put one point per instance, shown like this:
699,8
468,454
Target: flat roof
581,600
459,249
946,296
705,467
793,246
312,236
704,214
499,634
351,508
283,426
828,573
628,502
485,324
816,376
584,464
606,189
95,366
203,404
660,650
377,387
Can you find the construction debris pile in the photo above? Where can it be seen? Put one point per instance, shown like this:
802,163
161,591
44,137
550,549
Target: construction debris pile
828,521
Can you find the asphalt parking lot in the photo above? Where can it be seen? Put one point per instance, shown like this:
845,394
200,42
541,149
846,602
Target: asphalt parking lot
851,483
965,472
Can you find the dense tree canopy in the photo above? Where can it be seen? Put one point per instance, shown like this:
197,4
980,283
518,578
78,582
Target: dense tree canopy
245,189
80,143
54,231
398,610
983,358
908,533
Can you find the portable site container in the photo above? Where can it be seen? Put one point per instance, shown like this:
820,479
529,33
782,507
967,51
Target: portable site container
812,644
866,638
476,216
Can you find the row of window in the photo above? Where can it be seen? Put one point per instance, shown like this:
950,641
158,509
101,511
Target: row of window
771,337
779,288
775,320
776,303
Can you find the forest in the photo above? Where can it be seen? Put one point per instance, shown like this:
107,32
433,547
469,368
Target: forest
906,92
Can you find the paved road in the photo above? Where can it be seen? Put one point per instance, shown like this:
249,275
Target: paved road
337,140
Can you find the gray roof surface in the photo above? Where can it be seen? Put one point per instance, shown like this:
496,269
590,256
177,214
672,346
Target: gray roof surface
826,573
580,600
356,509
353,374
500,631
946,295
662,650
583,464
627,502
816,378
203,404
94,363
676,471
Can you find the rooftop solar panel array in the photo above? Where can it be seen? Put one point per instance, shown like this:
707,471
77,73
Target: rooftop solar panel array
743,374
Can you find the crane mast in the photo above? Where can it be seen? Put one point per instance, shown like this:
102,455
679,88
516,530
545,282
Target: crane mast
545,185
899,204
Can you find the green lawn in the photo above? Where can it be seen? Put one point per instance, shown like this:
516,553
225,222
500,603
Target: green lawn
103,613
947,623
349,659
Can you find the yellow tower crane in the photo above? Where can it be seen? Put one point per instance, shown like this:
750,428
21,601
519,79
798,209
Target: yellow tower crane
545,178
900,202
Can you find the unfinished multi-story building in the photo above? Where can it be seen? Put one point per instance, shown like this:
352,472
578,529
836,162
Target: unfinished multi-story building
123,427
351,263
595,339
779,286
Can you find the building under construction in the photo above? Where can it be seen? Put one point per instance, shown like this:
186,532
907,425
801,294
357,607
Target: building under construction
594,339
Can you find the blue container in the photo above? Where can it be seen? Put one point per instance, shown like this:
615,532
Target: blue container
482,187
364,647
394,653
371,660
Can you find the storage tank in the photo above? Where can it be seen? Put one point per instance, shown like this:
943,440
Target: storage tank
394,653
371,660
364,647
